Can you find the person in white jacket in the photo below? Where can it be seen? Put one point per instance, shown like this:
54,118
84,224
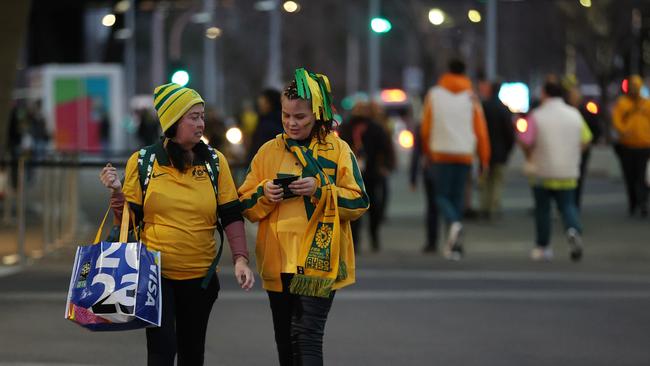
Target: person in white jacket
553,141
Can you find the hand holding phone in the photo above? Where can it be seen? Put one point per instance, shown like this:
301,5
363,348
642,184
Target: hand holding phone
284,183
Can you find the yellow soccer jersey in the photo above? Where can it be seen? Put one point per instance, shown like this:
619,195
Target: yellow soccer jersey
180,213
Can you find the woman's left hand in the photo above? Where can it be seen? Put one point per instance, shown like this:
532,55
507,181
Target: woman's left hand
243,273
304,186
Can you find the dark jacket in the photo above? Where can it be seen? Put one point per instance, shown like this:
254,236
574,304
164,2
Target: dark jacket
500,129
373,148
269,126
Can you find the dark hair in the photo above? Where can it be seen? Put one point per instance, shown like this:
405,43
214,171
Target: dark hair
456,66
180,157
321,128
274,98
553,89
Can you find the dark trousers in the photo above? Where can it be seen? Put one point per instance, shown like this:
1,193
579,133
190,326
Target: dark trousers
565,200
432,208
376,195
299,325
186,309
450,189
633,163
584,161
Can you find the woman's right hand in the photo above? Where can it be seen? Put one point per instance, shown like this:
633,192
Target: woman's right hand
109,178
273,192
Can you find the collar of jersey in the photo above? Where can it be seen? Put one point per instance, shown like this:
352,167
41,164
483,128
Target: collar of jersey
163,159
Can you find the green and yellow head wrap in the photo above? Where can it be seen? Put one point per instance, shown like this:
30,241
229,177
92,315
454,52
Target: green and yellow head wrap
315,87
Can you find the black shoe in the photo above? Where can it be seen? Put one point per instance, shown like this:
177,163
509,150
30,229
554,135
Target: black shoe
575,245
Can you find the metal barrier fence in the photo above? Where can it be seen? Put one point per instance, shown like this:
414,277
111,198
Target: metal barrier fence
56,200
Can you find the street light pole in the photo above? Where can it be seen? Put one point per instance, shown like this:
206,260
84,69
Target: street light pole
209,59
374,60
129,54
274,72
491,30
158,44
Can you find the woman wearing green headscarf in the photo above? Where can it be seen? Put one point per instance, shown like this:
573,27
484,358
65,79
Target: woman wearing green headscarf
304,187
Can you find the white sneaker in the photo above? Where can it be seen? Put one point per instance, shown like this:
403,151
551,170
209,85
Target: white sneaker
541,254
454,249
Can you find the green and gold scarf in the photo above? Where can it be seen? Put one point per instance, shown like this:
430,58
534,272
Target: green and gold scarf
320,250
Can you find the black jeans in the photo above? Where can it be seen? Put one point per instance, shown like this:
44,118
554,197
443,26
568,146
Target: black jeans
633,162
186,309
377,191
299,325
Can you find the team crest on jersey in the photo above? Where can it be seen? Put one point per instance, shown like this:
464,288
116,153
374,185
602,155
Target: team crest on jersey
200,173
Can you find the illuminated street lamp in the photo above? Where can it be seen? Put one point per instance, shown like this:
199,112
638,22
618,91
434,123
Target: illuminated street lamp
213,32
474,16
436,16
291,6
585,3
108,20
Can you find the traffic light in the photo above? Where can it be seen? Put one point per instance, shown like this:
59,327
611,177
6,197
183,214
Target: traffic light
380,25
179,74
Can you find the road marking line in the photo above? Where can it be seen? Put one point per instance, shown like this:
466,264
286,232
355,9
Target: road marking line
524,276
9,270
364,295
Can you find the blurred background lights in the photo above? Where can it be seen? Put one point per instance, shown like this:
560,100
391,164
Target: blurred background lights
234,136
474,16
522,125
213,32
108,20
436,16
291,6
516,96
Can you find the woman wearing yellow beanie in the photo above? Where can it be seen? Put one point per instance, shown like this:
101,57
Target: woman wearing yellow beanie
178,198
304,245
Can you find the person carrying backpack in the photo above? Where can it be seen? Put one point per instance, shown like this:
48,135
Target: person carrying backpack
181,190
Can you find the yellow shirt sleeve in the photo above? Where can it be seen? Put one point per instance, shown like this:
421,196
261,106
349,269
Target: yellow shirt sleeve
227,191
255,205
131,187
585,135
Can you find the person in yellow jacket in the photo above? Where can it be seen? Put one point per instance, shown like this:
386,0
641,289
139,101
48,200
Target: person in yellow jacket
453,130
304,243
631,119
179,210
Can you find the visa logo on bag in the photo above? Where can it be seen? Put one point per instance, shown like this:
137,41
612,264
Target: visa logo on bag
152,286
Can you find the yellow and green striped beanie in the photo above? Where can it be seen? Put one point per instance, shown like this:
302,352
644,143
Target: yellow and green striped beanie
172,101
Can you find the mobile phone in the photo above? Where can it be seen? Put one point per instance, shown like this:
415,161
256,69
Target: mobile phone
284,183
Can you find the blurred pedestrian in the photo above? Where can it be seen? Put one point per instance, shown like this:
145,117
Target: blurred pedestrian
378,114
631,119
453,128
215,130
149,128
179,206
304,241
502,137
418,167
574,98
553,142
372,147
269,125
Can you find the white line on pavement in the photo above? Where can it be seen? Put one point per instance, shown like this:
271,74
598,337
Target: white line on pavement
500,276
6,271
364,295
